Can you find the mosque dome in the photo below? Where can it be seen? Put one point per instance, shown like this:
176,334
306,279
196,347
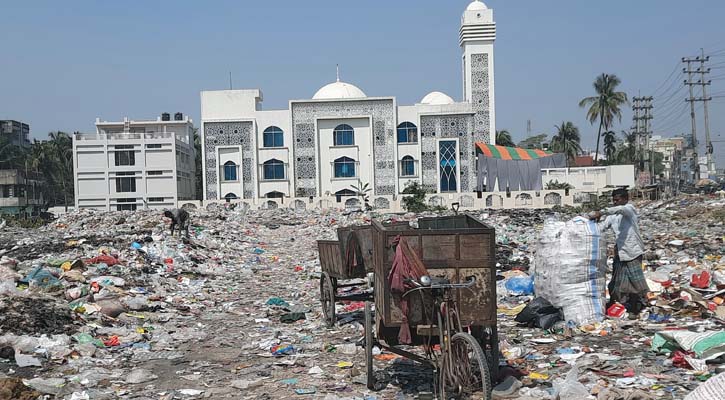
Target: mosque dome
476,6
339,90
436,99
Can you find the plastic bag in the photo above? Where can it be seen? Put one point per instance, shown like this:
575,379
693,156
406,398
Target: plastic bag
539,312
520,285
570,388
570,267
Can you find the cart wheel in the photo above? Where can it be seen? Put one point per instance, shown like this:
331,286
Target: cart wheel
327,298
369,346
468,371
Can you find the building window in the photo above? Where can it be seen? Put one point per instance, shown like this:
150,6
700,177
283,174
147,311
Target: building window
230,196
125,185
152,173
230,171
344,193
273,137
448,166
126,207
344,167
274,195
273,170
124,158
407,133
153,146
407,166
156,199
343,135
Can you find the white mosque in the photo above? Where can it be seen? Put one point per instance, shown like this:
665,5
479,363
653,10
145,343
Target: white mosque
341,137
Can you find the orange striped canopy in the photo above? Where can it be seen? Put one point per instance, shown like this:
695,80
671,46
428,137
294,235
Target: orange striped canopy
510,153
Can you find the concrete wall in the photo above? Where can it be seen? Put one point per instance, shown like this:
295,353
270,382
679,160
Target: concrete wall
394,204
591,178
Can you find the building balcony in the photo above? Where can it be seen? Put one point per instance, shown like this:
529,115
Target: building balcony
110,136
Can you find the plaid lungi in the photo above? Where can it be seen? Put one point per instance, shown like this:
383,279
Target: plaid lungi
627,278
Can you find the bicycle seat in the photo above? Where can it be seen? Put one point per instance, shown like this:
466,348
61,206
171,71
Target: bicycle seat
435,281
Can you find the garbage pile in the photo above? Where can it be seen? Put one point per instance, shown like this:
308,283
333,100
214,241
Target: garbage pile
110,306
665,352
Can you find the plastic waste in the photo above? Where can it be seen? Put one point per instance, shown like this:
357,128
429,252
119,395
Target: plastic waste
570,388
520,285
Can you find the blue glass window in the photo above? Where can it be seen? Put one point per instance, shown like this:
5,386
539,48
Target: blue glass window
344,135
273,137
344,167
230,196
449,167
407,166
273,170
407,133
230,171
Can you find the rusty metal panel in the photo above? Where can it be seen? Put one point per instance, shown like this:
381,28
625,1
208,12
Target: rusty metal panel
438,247
455,247
476,247
478,305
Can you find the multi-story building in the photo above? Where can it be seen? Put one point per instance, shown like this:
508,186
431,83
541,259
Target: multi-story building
20,192
672,153
342,137
135,164
18,133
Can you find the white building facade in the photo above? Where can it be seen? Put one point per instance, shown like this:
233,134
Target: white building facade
131,165
341,137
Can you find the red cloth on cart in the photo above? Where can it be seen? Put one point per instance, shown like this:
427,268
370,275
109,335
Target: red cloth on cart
406,265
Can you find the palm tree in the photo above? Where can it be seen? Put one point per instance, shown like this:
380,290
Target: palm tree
605,105
610,144
566,141
10,155
627,152
503,138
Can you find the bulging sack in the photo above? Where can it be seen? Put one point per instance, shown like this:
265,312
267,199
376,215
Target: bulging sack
570,269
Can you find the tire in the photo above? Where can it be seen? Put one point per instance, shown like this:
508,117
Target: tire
369,347
327,299
471,370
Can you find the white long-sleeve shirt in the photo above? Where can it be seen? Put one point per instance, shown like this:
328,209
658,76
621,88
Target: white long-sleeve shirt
624,221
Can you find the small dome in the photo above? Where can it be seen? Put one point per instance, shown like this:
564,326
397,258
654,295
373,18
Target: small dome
436,99
476,6
339,90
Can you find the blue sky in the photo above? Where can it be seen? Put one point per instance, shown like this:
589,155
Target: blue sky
66,63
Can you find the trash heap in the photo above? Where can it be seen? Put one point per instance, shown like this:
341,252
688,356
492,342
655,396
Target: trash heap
110,306
665,352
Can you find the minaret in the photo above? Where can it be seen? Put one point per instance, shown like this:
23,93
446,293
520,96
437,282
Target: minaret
478,32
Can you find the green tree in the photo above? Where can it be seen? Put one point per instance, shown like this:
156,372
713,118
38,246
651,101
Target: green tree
58,155
416,201
605,105
556,185
627,152
11,156
610,145
534,142
566,141
503,138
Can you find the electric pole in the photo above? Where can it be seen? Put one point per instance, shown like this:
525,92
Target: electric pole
642,108
704,83
692,99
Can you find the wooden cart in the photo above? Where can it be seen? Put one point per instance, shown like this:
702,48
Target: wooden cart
454,250
349,259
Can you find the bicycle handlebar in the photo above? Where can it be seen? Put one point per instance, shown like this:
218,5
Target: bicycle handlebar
465,285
